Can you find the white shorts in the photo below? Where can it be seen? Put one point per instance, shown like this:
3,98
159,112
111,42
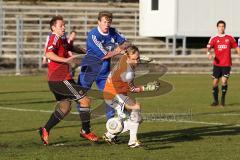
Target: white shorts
118,101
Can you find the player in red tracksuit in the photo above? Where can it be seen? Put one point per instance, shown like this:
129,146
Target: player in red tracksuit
222,45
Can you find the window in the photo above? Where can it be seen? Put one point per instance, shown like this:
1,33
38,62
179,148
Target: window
154,5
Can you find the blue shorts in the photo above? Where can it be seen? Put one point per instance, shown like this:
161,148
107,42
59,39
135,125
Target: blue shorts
95,70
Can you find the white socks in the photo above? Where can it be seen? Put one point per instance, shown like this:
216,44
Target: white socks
133,128
133,132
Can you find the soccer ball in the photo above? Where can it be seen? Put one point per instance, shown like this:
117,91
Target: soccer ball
114,126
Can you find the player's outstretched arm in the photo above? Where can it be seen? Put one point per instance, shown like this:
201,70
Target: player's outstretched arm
124,46
52,56
135,89
151,86
78,50
111,54
119,50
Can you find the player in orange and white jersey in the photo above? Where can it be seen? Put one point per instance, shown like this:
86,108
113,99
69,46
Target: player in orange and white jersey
119,82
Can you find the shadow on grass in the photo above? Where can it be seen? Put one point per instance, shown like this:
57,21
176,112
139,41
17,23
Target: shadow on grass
155,140
233,104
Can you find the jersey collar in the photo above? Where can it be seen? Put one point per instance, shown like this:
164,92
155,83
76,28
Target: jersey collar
56,34
219,35
99,30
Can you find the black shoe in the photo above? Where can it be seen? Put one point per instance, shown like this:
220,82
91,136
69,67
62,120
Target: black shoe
110,141
214,104
116,140
107,139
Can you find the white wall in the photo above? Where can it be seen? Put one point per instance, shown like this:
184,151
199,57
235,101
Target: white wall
191,18
156,23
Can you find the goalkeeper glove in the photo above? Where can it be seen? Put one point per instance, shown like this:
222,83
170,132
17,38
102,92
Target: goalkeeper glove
151,86
144,59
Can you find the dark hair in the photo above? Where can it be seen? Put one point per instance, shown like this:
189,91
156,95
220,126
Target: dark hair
54,20
73,32
221,22
108,15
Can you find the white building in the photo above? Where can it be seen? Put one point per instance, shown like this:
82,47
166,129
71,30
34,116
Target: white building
187,18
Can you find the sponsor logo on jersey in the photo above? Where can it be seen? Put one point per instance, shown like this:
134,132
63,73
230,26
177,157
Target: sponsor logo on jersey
99,44
220,47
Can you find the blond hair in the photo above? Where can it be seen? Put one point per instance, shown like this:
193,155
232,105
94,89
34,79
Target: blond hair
132,50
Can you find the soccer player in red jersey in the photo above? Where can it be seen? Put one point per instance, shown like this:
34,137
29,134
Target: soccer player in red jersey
222,45
60,80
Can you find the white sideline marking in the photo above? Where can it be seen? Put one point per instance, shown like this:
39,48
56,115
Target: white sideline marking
59,144
25,110
177,121
229,114
198,122
29,110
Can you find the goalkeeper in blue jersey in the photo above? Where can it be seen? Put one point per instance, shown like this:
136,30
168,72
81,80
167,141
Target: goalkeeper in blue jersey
102,41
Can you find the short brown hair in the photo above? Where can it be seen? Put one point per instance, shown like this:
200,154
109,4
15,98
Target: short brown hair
73,31
54,20
108,15
221,22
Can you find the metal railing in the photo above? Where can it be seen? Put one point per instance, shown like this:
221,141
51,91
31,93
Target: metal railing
21,33
1,25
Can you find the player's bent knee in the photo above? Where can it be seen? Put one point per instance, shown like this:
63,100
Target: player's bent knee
85,102
224,82
64,105
135,116
137,106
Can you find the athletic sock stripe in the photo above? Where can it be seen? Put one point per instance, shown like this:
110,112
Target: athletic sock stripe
84,109
60,112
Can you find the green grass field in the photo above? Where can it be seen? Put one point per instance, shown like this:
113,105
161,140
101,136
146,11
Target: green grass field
212,133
